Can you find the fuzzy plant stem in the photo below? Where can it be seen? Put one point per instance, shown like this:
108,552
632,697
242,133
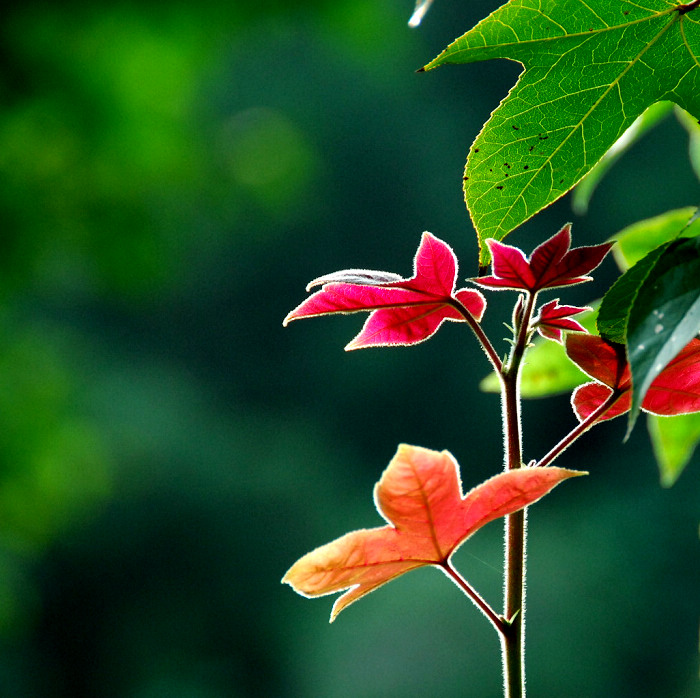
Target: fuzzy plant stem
513,637
496,620
480,335
581,429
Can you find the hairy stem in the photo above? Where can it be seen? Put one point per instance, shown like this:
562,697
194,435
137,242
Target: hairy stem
579,430
474,595
480,335
513,639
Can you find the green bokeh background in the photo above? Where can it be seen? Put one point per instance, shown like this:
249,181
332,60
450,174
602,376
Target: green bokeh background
171,176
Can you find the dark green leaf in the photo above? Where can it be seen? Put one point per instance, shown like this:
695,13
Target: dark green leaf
617,303
665,316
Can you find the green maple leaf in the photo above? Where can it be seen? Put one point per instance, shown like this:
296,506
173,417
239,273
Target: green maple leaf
591,68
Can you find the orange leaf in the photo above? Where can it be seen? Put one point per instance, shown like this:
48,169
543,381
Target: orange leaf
420,496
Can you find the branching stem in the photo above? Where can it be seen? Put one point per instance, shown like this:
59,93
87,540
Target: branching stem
497,621
581,429
515,528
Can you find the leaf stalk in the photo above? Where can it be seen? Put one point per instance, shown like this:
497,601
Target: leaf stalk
497,621
579,430
483,340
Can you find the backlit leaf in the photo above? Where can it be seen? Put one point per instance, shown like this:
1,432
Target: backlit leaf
591,68
551,265
676,390
664,317
420,497
553,319
403,311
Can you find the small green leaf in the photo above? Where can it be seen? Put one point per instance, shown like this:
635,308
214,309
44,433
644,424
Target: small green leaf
637,240
585,188
674,440
665,316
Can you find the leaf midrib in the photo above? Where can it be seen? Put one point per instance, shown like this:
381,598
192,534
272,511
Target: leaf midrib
575,128
544,39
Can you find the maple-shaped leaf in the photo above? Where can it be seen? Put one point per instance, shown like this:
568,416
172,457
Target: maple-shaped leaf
404,311
676,390
551,265
554,318
591,68
428,518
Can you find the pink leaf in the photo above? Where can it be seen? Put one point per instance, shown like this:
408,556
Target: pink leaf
553,318
676,390
587,398
551,265
403,311
420,497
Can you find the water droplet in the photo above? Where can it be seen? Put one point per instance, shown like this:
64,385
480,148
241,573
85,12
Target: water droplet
421,9
658,328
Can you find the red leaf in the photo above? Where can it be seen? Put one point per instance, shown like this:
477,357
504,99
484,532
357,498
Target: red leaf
605,361
420,497
587,398
551,265
553,318
676,390
404,311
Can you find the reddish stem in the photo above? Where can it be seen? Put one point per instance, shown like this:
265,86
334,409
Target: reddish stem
480,334
581,429
513,639
474,595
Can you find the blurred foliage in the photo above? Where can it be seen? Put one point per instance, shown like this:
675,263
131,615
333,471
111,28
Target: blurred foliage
172,176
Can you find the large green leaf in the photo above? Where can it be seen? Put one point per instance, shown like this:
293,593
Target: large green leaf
591,68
